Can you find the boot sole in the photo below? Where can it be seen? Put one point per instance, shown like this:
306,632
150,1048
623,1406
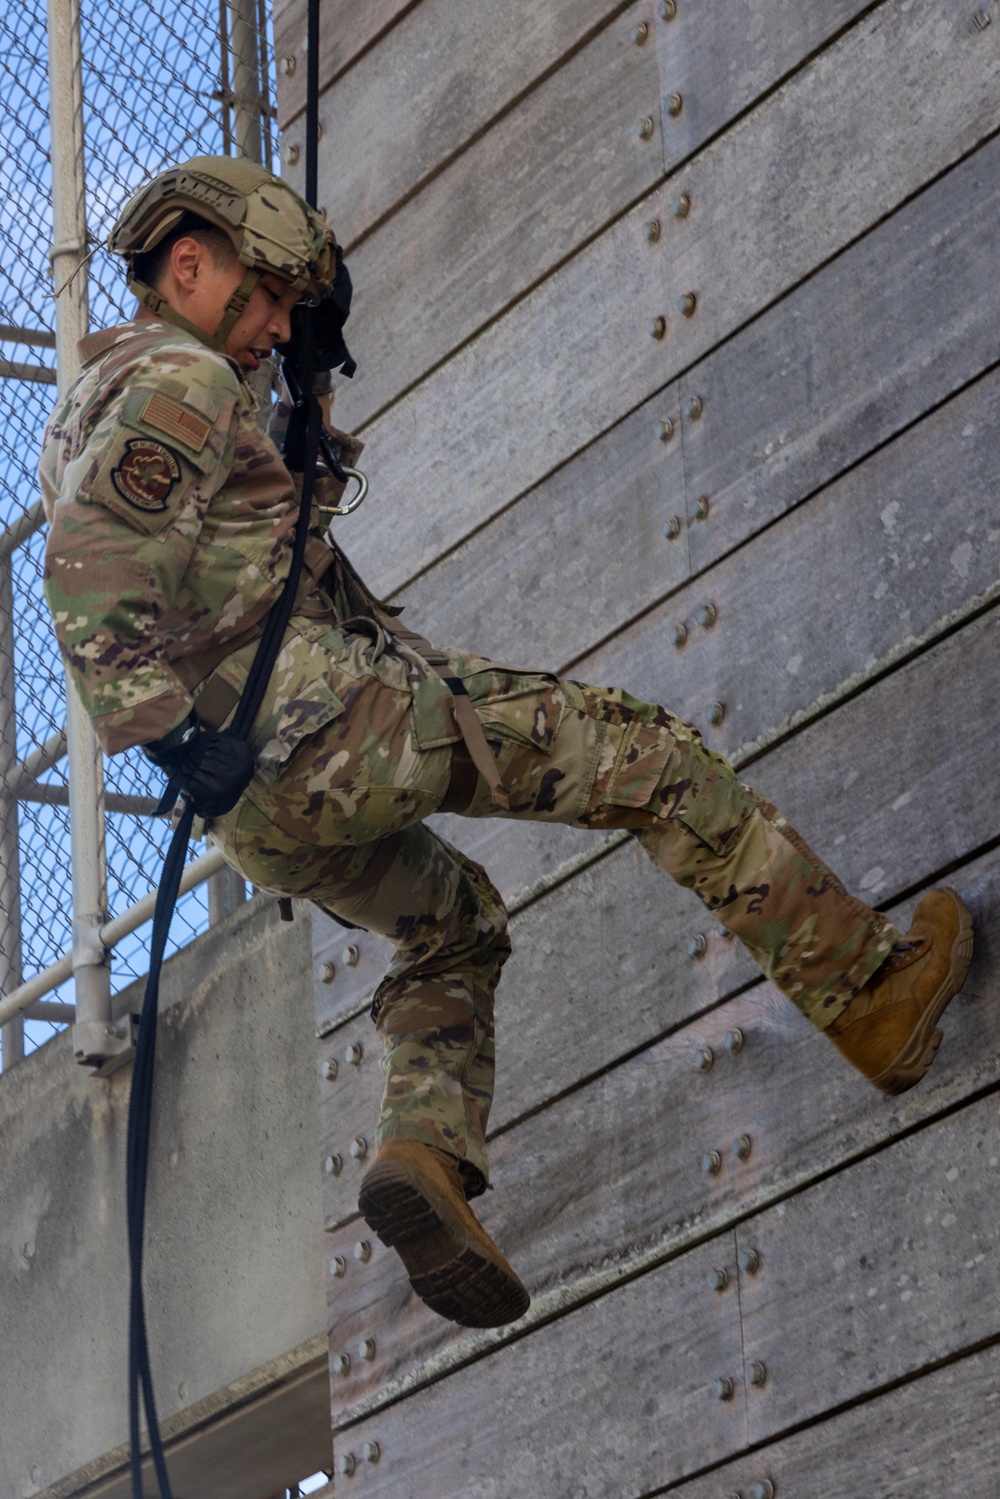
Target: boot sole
917,1055
449,1271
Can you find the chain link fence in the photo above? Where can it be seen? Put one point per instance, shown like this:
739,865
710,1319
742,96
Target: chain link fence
161,82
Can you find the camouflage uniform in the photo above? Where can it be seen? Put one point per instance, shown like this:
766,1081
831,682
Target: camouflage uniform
171,519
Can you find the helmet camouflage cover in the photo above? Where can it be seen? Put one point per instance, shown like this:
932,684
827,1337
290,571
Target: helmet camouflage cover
271,227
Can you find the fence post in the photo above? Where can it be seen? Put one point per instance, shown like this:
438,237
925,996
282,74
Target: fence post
94,1035
12,1034
244,46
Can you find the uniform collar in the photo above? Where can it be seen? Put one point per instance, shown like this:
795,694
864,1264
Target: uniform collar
96,345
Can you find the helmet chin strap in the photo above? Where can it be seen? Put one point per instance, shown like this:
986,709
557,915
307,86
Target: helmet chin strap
234,310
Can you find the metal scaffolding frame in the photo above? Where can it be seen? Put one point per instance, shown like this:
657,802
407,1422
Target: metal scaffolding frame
101,1034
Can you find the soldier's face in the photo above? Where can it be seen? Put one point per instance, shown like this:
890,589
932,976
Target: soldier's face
197,286
264,323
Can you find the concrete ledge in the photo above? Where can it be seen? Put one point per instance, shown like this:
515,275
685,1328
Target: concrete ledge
234,1278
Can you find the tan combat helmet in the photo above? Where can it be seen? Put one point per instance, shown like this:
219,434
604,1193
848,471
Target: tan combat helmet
271,227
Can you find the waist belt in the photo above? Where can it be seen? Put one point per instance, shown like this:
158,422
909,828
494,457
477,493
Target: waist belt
215,698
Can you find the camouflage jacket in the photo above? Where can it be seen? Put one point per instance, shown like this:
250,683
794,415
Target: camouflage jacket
171,529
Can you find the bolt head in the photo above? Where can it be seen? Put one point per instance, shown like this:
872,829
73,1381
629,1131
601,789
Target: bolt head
741,1147
287,66
640,32
687,303
330,1069
354,1053
657,327
341,1363
697,946
756,1373
651,231
723,1389
718,1279
675,103
734,1041
327,973
702,507
715,713
371,1452
366,1349
363,1251
672,528
703,1059
762,1490
678,635
351,956
28,1250
749,1261
707,616
668,10
338,1267
346,1464
332,1165
359,1147
693,408
290,153
680,205
665,430
644,127
711,1163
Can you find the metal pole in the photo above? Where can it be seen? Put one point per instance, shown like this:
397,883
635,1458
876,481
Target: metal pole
267,108
93,1040
225,93
110,935
12,1034
227,891
247,102
246,49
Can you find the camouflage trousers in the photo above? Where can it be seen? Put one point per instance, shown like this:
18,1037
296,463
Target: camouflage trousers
342,825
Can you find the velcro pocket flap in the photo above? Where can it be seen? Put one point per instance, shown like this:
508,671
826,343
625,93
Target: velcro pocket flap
521,706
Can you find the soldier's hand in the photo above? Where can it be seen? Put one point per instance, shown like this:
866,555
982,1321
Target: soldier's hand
328,319
213,770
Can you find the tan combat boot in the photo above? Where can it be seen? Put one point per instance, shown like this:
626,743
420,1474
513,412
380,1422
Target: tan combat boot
412,1198
889,1029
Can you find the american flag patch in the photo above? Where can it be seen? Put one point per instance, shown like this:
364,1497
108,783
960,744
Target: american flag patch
173,419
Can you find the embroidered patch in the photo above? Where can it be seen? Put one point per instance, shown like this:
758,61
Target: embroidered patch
146,474
169,416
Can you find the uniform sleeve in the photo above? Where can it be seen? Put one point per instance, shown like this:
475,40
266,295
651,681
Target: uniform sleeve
125,521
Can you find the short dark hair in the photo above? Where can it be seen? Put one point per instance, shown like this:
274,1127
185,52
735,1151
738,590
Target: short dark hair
150,266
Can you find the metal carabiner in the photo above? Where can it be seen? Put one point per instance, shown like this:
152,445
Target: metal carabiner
352,504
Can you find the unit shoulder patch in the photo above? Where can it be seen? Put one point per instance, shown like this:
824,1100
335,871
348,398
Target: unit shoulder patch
174,420
146,474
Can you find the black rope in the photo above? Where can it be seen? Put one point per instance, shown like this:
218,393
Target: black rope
301,454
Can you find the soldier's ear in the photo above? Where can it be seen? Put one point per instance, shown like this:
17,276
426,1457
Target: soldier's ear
187,260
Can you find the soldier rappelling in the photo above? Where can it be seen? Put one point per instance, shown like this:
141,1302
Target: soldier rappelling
172,518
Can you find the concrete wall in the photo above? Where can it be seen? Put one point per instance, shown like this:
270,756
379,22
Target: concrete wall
807,196
234,1280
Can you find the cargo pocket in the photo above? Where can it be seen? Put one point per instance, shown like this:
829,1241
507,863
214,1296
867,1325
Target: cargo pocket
679,781
522,707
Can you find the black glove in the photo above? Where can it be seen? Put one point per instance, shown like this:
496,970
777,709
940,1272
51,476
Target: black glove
213,770
328,319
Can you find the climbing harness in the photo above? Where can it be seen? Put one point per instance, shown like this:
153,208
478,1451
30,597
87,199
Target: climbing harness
303,443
